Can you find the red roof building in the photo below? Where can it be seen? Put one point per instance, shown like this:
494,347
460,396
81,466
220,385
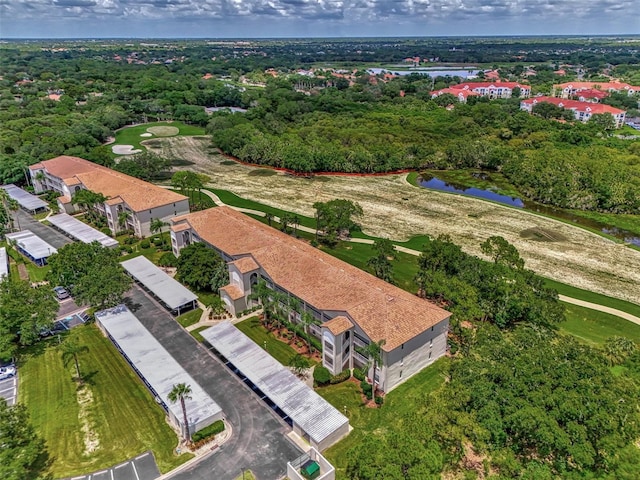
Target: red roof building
573,89
583,111
460,94
494,89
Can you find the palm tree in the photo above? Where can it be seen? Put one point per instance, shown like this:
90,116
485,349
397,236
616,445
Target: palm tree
294,309
269,217
123,216
88,200
40,177
306,319
182,392
262,293
71,349
157,224
374,352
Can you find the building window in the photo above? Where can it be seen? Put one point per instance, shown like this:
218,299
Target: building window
346,335
429,354
431,343
400,373
328,347
402,347
328,361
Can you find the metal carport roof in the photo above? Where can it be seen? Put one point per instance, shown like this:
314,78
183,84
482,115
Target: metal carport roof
24,198
33,245
4,264
81,231
157,366
171,292
306,408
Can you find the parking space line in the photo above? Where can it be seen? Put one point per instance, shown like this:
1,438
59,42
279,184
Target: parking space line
121,465
135,470
100,472
142,456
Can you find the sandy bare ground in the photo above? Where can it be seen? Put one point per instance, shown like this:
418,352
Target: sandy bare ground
397,210
124,150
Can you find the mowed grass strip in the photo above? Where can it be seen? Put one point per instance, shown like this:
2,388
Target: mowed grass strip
131,135
190,318
372,421
593,327
253,329
122,413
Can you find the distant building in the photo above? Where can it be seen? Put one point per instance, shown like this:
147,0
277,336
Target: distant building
573,89
142,201
460,94
351,307
494,89
583,111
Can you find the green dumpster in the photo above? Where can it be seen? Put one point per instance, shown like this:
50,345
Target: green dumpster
310,470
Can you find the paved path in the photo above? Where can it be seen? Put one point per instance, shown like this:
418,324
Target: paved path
399,248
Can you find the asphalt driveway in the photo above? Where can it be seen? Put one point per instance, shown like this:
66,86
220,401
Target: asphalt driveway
258,441
49,234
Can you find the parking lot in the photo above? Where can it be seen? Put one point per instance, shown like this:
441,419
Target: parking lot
258,441
142,467
9,389
45,232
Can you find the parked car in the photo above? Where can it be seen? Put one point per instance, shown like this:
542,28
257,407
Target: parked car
7,372
61,293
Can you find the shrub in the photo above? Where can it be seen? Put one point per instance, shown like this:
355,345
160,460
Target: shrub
379,401
321,375
367,389
359,374
314,243
130,240
213,429
157,241
145,244
167,260
341,377
106,231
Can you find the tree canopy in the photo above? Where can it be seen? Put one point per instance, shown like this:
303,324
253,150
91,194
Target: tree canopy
336,218
201,268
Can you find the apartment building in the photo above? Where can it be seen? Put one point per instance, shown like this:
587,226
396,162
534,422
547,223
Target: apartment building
583,111
131,203
352,308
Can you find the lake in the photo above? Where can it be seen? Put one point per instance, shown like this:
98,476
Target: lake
432,72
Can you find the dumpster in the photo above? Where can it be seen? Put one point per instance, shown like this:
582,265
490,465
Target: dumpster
310,470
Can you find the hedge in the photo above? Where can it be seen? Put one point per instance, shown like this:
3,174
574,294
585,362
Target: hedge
359,374
213,429
321,375
367,389
145,244
341,377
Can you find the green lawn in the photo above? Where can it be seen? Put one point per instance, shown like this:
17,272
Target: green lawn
196,333
121,411
131,135
368,421
37,274
595,327
593,297
256,332
190,318
206,297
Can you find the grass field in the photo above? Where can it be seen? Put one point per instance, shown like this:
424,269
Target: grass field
256,332
131,135
595,327
593,297
118,414
369,421
196,333
190,318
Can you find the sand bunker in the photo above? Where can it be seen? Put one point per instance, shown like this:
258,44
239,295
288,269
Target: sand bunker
124,150
146,134
163,131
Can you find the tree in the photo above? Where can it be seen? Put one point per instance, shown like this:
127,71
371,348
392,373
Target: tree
502,252
95,273
157,224
23,454
264,295
306,320
202,268
87,200
182,392
269,217
123,216
603,122
374,352
70,350
25,312
381,263
144,165
299,365
335,219
618,349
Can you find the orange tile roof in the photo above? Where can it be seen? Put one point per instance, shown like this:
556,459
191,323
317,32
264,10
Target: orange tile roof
138,194
383,311
575,105
618,86
180,228
234,292
338,325
245,264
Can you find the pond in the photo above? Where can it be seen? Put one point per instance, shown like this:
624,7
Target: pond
487,194
432,72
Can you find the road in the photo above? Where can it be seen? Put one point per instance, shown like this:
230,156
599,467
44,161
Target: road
258,442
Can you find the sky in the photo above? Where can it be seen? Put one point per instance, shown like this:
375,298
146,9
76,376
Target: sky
312,18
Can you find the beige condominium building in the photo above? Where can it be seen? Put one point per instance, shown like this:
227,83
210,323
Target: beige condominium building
352,308
142,201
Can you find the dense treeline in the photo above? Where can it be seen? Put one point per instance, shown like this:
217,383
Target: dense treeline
527,404
371,129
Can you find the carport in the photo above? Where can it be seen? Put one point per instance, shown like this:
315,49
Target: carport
157,368
313,417
80,231
174,296
27,201
32,246
4,264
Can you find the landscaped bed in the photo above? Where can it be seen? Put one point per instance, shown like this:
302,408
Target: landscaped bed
111,418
